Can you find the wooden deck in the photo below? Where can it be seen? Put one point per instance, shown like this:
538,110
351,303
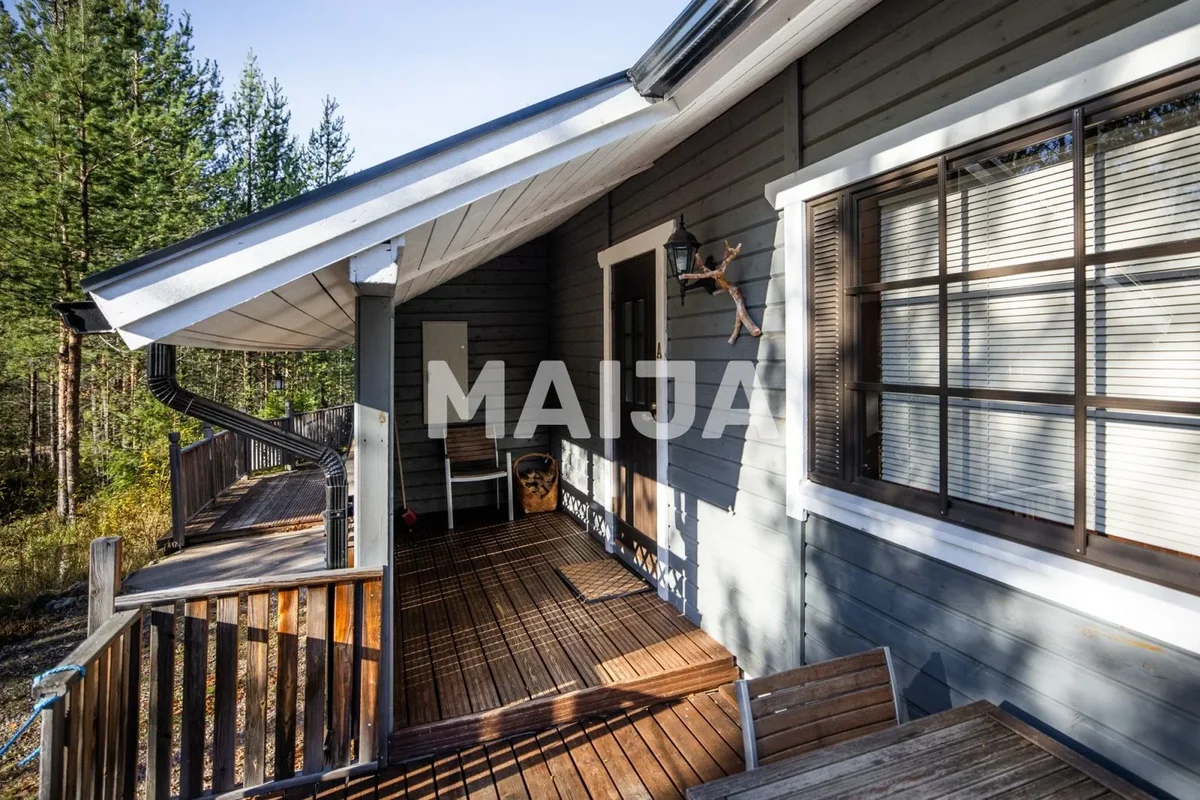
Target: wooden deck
281,501
492,643
657,752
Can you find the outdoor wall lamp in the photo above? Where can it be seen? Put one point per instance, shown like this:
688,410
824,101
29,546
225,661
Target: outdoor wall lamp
681,249
277,382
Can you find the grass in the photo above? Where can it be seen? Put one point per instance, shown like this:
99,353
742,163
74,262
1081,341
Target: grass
41,557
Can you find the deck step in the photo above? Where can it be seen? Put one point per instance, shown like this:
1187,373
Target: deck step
529,716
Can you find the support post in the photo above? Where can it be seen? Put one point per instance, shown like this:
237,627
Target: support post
212,463
289,458
374,272
177,520
104,580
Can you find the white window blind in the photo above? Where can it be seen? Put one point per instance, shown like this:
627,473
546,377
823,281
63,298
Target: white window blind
1142,176
908,248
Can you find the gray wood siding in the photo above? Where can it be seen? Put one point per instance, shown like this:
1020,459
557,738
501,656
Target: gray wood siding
504,304
773,590
957,637
906,58
730,533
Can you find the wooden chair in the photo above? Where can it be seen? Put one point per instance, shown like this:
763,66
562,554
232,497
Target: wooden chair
818,705
471,456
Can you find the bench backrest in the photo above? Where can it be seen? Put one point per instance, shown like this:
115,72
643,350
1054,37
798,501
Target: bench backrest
818,705
470,443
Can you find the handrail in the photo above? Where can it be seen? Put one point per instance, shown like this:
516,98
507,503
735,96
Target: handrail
60,683
238,585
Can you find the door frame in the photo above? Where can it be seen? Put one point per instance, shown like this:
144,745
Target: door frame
652,240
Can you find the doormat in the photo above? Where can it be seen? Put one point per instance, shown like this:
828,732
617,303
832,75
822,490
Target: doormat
606,579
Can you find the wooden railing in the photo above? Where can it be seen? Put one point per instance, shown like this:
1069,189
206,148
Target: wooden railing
202,470
90,733
304,648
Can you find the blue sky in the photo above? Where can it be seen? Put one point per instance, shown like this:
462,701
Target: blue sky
409,73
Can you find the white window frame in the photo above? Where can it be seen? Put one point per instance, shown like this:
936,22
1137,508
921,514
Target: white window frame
652,240
1158,44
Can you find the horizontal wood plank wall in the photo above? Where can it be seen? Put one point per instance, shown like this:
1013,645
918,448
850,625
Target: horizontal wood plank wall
505,304
730,543
906,58
957,637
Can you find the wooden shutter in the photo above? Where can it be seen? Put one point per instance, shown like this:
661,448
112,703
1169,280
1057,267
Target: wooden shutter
826,257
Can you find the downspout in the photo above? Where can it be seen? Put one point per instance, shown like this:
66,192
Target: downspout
160,376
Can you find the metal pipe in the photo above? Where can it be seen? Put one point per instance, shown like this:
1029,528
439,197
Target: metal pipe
161,379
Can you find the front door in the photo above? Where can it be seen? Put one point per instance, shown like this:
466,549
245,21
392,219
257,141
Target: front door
636,455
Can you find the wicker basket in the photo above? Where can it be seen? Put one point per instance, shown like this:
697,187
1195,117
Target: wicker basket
535,477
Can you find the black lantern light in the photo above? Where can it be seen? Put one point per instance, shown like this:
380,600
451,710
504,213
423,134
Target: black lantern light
681,259
277,382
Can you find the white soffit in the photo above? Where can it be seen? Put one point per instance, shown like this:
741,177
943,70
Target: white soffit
283,283
454,243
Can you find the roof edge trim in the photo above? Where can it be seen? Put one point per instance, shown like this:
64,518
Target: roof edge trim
97,280
687,41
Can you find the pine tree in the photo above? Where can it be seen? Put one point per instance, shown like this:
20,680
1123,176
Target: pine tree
279,165
103,128
328,152
241,126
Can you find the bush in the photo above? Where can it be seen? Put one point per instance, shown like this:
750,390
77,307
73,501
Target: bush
40,555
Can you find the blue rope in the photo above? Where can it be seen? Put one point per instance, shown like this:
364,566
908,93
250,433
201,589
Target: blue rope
38,708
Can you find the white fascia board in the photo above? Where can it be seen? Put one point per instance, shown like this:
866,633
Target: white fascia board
151,304
1154,45
783,30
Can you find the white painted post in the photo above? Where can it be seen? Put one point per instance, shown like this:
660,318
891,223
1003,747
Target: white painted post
374,273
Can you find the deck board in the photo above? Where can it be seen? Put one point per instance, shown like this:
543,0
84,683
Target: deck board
487,626
255,504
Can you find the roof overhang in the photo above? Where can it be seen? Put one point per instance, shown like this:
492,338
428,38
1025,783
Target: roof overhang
280,279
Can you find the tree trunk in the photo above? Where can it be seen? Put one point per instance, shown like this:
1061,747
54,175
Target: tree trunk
33,419
69,358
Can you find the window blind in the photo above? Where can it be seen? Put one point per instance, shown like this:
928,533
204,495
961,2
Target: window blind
1007,404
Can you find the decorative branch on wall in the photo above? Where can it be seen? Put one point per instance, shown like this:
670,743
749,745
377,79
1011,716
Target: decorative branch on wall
717,275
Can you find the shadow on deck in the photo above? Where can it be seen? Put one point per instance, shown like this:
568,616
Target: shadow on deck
255,504
491,642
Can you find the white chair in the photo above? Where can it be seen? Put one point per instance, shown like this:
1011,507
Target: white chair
469,449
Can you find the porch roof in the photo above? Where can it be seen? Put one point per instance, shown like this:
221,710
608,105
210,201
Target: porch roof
280,279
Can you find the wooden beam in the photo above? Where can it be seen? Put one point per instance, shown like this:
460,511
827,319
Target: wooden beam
241,585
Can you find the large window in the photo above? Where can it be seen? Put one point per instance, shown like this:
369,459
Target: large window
1009,335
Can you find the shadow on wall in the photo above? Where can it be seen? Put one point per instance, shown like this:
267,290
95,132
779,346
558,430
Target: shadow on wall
1128,703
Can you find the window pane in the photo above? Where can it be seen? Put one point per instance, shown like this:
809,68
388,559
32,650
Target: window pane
1142,177
908,446
1013,333
900,337
1143,478
1144,329
1013,456
1011,209
908,231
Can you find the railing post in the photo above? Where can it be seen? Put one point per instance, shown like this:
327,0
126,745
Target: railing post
212,463
177,520
289,460
104,580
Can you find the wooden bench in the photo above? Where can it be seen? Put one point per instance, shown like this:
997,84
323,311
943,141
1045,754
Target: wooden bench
811,707
473,455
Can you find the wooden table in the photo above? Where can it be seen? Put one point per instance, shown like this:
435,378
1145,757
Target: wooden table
970,752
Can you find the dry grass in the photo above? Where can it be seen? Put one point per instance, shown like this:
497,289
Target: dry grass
41,557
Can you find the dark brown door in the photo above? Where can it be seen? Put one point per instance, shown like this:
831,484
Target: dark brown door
633,328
